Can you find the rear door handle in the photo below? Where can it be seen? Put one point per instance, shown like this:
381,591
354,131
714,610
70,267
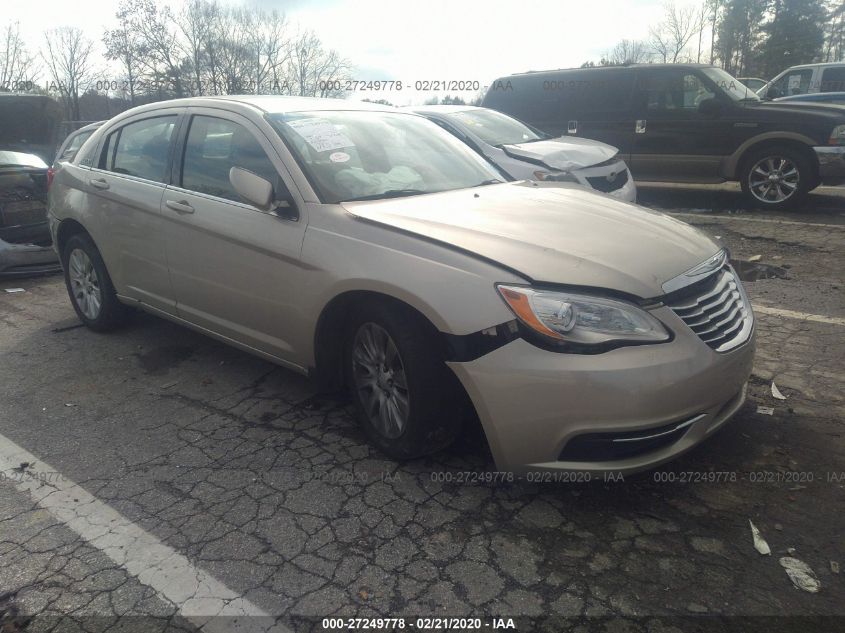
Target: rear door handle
640,126
179,207
99,183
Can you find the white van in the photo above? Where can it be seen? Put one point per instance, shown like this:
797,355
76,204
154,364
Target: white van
807,78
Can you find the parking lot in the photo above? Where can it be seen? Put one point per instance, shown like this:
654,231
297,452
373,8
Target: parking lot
253,495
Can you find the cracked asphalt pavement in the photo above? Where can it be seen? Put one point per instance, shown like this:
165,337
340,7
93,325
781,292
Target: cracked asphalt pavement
247,478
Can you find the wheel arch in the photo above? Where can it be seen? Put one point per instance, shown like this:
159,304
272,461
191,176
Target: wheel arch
798,142
68,228
330,330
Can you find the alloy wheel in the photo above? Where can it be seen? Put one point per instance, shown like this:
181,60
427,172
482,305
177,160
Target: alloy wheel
380,380
84,284
773,179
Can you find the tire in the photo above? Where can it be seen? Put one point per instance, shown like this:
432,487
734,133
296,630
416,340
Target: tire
433,416
87,279
776,177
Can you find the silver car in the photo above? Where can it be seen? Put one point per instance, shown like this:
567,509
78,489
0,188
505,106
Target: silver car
522,152
369,248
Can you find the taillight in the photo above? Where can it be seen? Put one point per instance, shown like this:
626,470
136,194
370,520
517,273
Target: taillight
50,173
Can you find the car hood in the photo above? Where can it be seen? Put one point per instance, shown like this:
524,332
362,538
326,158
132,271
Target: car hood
553,234
803,108
564,153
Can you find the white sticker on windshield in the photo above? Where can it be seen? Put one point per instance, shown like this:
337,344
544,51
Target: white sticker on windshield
339,157
320,134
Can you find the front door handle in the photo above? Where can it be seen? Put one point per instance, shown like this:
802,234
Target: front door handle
640,126
179,207
99,183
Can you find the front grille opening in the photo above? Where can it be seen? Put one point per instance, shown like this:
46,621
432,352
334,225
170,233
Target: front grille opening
607,447
601,183
716,310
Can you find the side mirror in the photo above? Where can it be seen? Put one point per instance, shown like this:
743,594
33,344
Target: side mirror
710,107
252,187
773,93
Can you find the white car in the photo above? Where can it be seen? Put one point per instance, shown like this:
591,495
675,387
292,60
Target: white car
524,153
806,79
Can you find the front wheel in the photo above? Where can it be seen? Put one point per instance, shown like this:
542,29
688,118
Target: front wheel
407,399
776,178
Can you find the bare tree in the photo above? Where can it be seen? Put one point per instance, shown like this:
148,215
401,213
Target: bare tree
68,57
835,37
628,52
197,23
701,17
670,38
17,66
315,71
126,46
162,62
272,51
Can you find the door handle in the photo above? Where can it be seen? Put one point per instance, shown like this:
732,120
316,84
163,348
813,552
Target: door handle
179,207
99,183
639,128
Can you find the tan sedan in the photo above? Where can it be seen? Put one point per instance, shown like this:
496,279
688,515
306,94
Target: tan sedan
371,249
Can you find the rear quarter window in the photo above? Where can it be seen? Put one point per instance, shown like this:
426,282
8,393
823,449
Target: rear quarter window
833,80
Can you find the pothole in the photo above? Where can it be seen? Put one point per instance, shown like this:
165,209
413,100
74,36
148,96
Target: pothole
752,271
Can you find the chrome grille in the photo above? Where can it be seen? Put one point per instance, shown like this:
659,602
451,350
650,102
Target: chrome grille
718,311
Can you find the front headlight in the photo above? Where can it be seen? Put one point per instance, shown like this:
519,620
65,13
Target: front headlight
554,176
837,136
564,317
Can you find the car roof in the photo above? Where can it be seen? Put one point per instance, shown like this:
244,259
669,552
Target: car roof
271,103
605,68
262,103
441,109
817,65
87,128
813,96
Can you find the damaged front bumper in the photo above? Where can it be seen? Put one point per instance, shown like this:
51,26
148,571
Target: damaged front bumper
27,259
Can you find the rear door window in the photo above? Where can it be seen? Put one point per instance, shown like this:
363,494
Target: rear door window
216,145
673,92
140,149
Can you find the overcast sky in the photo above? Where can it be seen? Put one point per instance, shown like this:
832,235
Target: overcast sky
475,40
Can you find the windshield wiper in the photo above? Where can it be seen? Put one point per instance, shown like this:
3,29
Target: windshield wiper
491,181
390,193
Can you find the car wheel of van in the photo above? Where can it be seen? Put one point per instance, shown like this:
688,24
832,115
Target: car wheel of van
89,285
776,177
403,391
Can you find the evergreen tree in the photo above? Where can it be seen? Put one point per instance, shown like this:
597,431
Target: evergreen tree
794,34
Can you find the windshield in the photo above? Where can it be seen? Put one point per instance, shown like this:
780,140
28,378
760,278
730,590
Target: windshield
349,155
730,85
495,128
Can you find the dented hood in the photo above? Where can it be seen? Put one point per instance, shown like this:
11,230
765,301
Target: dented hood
552,234
564,153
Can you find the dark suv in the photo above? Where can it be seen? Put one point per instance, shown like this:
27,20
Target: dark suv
686,123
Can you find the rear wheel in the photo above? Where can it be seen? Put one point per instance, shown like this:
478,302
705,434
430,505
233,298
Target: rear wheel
775,178
89,285
406,397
